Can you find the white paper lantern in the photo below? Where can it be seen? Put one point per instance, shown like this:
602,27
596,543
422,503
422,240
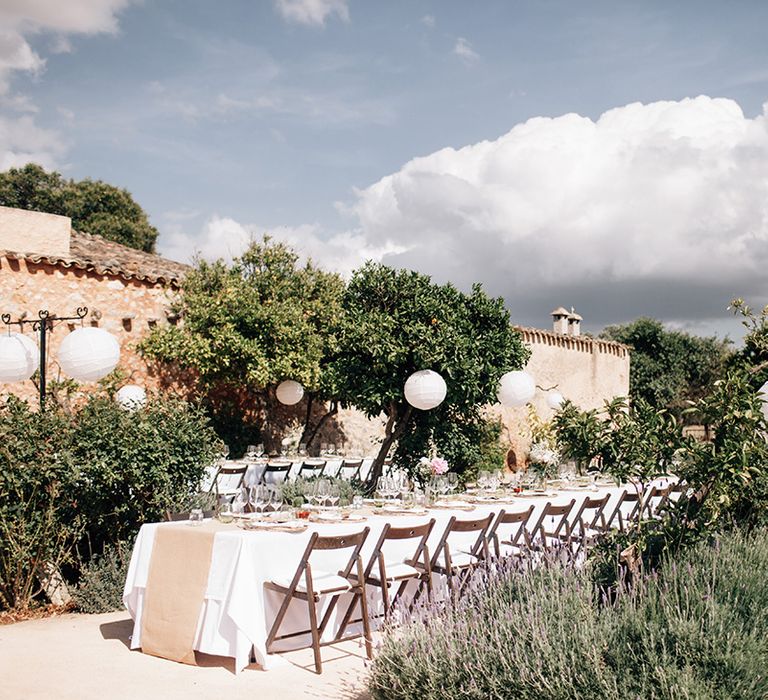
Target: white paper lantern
88,354
425,389
289,392
19,357
131,397
516,389
555,400
763,393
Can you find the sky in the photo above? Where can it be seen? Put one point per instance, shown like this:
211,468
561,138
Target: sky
611,156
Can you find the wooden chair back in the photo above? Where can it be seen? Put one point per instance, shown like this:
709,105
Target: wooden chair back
229,480
312,467
276,472
519,536
479,548
618,519
558,528
350,469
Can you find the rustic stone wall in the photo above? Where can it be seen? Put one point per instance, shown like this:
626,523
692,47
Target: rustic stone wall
587,371
127,308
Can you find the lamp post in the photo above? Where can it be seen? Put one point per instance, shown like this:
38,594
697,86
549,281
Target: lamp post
92,355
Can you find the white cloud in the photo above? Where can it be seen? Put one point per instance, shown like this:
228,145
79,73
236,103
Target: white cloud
22,141
658,208
22,18
463,49
223,237
312,12
428,21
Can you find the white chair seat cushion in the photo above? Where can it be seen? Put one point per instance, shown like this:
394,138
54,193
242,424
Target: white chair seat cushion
395,570
322,582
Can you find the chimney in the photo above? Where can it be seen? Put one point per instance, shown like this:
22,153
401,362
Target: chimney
23,231
560,320
574,323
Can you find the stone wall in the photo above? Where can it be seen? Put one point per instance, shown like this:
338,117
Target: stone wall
127,308
587,371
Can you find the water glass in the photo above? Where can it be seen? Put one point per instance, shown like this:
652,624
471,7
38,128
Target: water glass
357,502
196,516
225,512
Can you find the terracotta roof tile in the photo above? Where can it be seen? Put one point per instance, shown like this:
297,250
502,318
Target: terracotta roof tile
96,254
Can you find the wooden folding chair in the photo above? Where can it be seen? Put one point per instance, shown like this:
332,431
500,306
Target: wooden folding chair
589,524
177,517
228,481
276,472
655,499
312,467
350,469
311,586
558,530
460,564
382,573
621,521
520,538
672,494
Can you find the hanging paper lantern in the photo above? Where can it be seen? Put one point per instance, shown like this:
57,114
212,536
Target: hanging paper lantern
289,392
554,400
19,357
425,389
131,397
516,389
88,354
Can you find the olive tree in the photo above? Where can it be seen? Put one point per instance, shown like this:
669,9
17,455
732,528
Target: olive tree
396,322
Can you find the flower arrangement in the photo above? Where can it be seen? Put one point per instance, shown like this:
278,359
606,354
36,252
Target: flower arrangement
432,466
544,459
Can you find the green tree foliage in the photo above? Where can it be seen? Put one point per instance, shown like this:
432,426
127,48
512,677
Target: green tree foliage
248,326
669,368
753,355
396,322
94,206
80,481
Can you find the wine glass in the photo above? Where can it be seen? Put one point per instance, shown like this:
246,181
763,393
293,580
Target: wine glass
323,492
250,453
302,449
453,481
276,497
334,493
331,449
309,491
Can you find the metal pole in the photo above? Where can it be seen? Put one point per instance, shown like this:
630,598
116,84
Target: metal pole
43,333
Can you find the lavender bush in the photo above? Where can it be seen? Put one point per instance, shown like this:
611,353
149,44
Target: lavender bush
694,630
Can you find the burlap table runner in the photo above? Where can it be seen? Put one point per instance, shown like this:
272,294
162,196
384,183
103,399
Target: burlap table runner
176,583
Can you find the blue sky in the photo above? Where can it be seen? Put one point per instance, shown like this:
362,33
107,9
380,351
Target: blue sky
304,117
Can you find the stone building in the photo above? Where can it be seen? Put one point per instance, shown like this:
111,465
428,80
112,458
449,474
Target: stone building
587,371
44,264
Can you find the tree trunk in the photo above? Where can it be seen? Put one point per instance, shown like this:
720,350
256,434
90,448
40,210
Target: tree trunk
396,425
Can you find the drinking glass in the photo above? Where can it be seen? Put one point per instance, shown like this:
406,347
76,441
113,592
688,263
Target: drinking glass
250,453
453,481
196,516
357,501
302,449
331,449
333,494
260,450
225,512
323,492
276,497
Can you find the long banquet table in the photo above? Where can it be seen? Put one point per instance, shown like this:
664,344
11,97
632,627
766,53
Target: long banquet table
237,611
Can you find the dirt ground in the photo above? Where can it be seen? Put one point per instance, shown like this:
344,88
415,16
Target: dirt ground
84,657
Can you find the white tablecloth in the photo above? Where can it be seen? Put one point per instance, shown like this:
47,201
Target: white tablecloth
238,612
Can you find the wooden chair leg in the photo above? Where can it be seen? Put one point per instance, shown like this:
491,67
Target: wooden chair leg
312,605
364,610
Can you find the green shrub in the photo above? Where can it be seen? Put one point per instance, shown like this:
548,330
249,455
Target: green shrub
102,579
696,630
94,476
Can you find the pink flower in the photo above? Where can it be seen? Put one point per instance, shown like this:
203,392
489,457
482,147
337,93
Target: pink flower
438,466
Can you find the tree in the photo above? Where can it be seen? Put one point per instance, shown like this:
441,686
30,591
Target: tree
669,368
396,322
94,206
248,326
